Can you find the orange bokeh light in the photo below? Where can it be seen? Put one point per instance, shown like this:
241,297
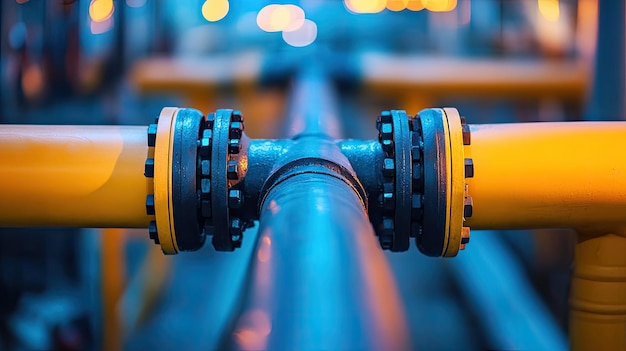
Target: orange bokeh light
101,10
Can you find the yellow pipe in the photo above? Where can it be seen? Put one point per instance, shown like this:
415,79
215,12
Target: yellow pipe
480,78
563,175
113,265
548,175
73,176
598,292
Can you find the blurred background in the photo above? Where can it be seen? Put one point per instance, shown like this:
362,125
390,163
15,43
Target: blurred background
121,61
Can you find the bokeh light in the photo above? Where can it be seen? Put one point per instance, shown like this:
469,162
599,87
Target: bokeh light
365,6
101,10
264,18
280,18
215,10
549,9
101,27
32,81
415,5
296,18
439,5
276,18
304,36
397,5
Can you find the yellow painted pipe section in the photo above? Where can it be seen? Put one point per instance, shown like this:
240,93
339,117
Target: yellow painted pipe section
598,292
546,175
73,176
437,77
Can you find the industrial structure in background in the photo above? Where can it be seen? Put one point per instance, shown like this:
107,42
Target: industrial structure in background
323,205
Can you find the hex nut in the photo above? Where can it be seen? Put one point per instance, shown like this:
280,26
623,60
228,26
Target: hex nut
152,131
235,131
467,135
152,232
205,168
234,146
469,168
150,204
149,168
389,168
468,207
235,198
237,116
232,170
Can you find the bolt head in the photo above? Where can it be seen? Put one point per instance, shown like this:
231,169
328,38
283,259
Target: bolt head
149,168
465,235
388,201
205,143
237,116
205,168
236,231
387,146
468,207
150,204
389,168
235,131
205,187
234,146
386,131
235,198
469,168
210,120
152,131
233,170
152,232
467,135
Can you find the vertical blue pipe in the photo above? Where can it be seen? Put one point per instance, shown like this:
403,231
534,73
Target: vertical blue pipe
511,312
608,94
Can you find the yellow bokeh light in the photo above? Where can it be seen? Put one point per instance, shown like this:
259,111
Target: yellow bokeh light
415,5
215,10
100,10
439,5
263,17
549,9
280,18
365,6
397,5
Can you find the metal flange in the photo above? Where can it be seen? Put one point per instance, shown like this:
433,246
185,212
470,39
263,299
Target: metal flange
394,204
422,181
228,168
445,202
171,171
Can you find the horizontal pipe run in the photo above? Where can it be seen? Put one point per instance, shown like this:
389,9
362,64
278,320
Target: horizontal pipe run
548,175
73,176
319,279
446,77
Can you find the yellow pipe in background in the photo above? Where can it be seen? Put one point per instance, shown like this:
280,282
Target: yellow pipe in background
113,278
548,175
73,176
598,292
